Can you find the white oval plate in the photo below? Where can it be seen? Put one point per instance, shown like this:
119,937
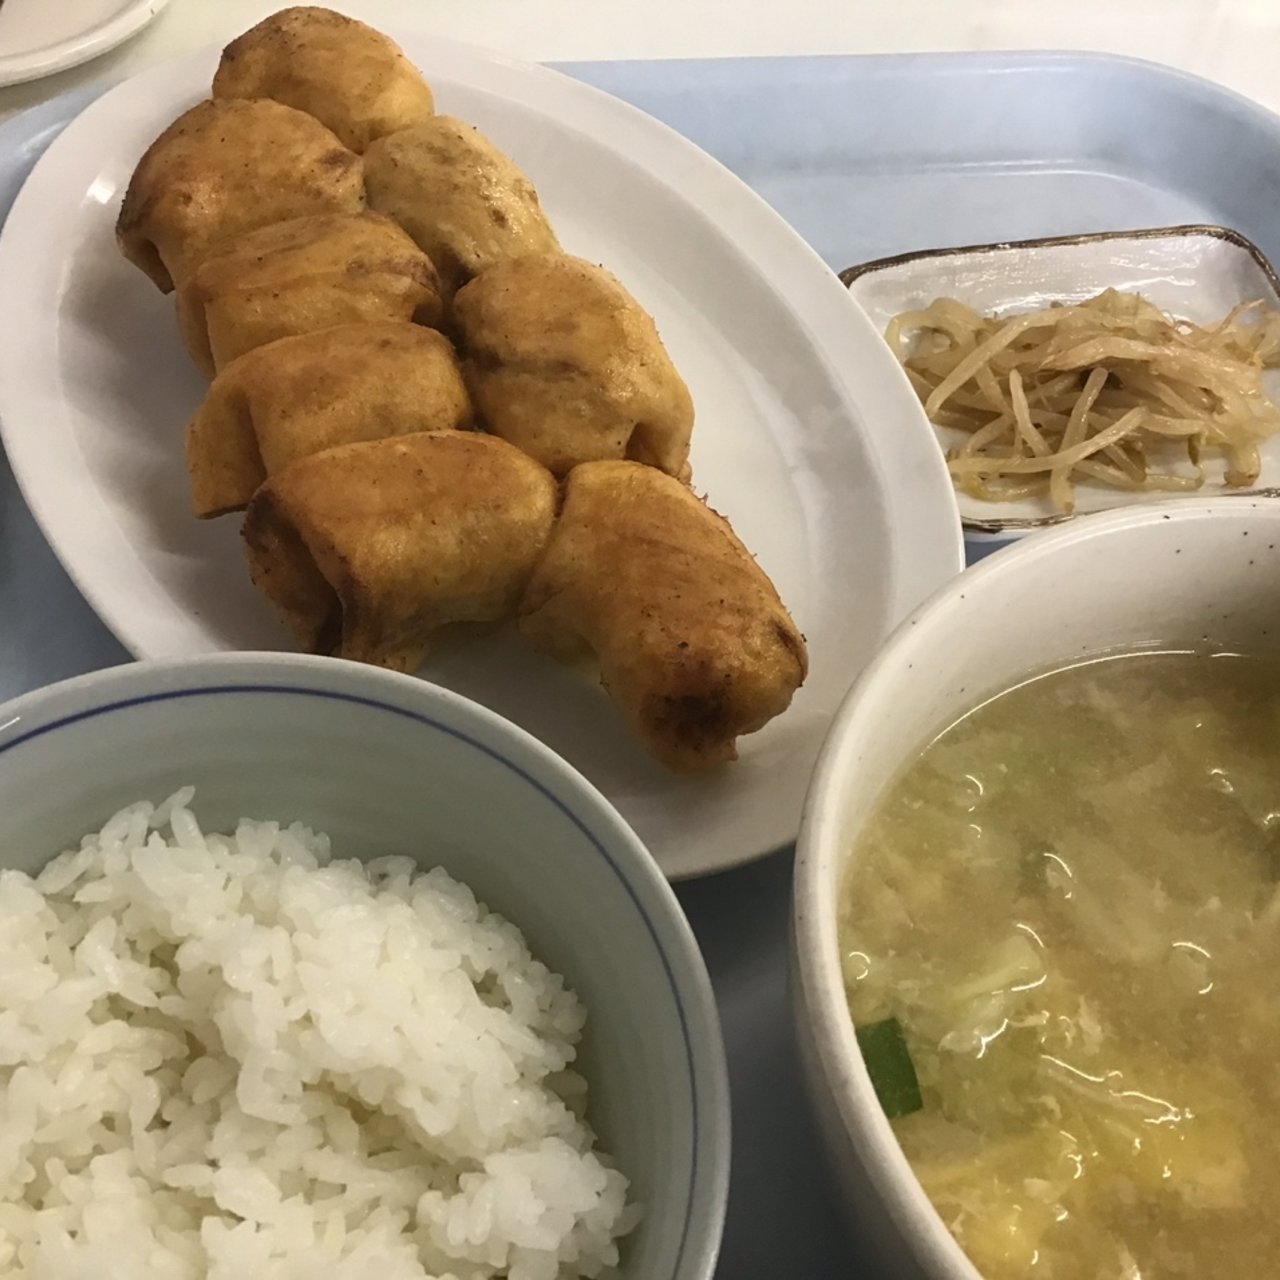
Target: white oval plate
809,438
39,37
1197,273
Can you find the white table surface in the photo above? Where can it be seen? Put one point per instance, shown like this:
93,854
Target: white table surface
1235,42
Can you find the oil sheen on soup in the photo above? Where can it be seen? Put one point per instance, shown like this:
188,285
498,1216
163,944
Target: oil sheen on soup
1061,946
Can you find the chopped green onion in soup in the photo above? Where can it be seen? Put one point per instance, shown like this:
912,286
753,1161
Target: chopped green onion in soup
893,1076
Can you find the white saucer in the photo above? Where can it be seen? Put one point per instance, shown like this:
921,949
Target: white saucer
39,37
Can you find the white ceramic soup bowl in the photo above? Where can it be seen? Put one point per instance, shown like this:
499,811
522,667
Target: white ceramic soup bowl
1181,574
388,764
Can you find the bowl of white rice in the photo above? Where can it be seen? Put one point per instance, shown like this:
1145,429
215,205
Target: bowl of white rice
313,970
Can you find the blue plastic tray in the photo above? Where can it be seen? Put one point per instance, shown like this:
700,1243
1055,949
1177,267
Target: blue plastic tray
866,156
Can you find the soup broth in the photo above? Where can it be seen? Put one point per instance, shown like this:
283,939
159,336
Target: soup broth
1061,946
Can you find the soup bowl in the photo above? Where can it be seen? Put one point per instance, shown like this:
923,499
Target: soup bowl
387,764
1188,574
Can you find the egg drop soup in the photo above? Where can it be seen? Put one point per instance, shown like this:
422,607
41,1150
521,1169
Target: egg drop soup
1060,937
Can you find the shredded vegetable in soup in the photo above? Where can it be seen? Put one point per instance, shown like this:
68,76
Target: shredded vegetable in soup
1110,390
1061,944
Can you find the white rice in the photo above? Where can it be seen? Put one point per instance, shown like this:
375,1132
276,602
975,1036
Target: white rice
229,1056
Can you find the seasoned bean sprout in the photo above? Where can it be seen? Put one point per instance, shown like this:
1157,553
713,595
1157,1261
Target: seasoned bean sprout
1109,390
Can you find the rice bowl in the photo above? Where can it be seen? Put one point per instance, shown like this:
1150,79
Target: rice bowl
251,1054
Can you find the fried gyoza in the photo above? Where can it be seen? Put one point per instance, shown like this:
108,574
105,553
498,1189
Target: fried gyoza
302,395
224,168
463,201
299,276
693,644
368,549
349,76
566,364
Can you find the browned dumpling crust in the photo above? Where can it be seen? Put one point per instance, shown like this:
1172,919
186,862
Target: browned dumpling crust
693,644
308,393
350,77
465,203
367,550
299,276
225,168
563,362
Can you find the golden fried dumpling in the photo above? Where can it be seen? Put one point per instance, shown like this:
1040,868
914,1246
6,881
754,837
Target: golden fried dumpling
463,201
299,276
350,77
305,394
224,168
368,549
693,644
566,364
